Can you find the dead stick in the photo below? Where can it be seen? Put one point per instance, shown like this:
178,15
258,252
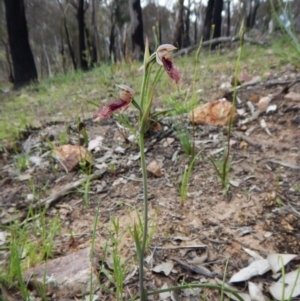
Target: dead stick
246,138
198,270
47,202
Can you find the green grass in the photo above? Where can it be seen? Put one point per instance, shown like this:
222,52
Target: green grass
68,97
64,97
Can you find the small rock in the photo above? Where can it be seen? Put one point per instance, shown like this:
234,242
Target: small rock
254,80
264,103
225,86
292,96
168,142
66,276
155,169
30,197
213,113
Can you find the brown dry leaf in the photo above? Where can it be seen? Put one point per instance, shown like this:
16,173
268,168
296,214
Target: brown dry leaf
155,169
213,113
254,98
69,155
165,267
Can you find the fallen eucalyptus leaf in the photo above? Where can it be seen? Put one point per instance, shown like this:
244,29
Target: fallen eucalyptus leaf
277,261
165,267
258,267
244,231
165,295
244,296
255,292
286,287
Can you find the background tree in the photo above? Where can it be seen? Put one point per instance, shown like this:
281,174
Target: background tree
213,19
252,8
119,16
23,63
81,6
136,27
179,28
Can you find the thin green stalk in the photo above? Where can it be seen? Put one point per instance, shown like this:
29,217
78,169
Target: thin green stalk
224,167
145,230
93,249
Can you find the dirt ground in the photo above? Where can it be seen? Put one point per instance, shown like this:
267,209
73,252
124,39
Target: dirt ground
261,212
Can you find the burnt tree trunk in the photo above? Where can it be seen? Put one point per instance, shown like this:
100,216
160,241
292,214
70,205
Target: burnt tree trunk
186,35
112,48
250,20
179,30
228,18
64,23
208,20
93,42
137,31
213,20
23,63
81,36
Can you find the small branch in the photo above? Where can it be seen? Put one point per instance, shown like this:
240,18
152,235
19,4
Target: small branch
198,270
56,195
215,41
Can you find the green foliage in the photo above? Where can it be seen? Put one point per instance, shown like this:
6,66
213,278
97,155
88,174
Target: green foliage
22,161
186,177
186,140
30,243
112,254
222,168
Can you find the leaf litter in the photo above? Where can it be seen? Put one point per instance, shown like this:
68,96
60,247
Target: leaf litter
264,186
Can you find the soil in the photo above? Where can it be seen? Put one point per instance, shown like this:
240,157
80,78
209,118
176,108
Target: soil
259,212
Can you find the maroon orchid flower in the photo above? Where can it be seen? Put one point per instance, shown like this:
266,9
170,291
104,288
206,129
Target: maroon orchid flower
164,58
126,96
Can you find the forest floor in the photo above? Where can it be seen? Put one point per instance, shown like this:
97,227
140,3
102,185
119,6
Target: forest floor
208,230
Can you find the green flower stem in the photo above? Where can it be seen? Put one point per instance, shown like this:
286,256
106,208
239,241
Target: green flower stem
142,125
145,230
146,76
191,286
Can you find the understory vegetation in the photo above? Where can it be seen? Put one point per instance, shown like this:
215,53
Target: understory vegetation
71,99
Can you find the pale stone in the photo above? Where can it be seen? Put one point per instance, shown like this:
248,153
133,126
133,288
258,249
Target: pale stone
213,113
292,96
155,169
66,276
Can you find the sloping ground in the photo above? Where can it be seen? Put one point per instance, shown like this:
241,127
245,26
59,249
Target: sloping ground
261,211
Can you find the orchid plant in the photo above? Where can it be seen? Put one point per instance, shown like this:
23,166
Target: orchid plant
163,57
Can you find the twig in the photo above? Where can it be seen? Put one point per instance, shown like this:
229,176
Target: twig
47,202
285,164
198,270
180,247
246,138
188,50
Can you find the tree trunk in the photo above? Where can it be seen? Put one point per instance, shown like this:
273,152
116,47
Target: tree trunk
208,20
213,18
94,34
81,37
179,30
8,61
22,58
64,21
217,18
137,31
186,35
228,18
112,48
